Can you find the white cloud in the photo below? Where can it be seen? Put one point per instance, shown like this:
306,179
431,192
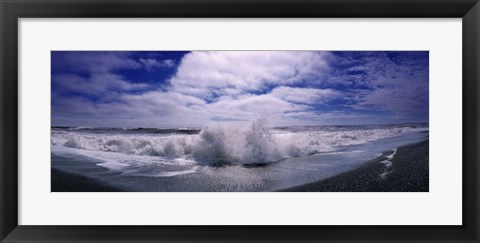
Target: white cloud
251,106
96,84
334,117
150,63
398,85
175,109
231,78
403,100
214,73
161,103
95,62
239,86
304,95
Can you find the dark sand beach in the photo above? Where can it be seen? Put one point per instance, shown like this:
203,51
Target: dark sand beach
68,182
407,173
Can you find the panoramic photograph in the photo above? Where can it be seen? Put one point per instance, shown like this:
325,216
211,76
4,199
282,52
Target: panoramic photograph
239,121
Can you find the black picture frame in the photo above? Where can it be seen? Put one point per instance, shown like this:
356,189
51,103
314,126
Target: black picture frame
12,10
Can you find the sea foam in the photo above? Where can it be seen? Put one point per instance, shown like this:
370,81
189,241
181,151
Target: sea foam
253,144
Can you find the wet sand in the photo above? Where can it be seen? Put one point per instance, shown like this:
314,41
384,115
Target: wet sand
409,172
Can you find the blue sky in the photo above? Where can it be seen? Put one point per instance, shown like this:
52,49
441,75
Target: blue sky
194,89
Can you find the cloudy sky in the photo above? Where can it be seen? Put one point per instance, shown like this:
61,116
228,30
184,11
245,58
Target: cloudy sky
193,89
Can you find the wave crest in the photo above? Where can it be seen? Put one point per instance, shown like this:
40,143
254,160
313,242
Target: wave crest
254,144
237,145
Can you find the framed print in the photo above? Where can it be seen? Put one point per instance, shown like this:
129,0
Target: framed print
228,131
239,121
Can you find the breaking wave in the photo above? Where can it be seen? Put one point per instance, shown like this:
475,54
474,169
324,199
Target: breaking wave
253,144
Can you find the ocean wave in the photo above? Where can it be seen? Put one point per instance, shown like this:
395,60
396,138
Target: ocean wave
254,144
137,130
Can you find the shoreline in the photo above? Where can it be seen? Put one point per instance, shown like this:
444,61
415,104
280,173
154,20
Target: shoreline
404,169
407,171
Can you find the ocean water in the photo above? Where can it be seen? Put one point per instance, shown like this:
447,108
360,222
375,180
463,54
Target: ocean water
256,157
